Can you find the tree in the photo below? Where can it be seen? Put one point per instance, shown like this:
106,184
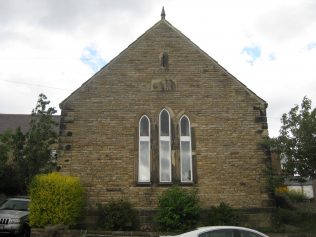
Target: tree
296,143
31,151
38,140
8,175
4,152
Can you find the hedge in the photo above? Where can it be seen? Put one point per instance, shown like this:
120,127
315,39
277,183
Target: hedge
55,199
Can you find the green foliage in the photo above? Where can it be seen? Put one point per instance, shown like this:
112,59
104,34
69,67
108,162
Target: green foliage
9,184
302,221
297,140
283,201
4,151
222,215
56,199
30,152
274,180
117,215
269,143
9,176
37,156
178,210
290,216
296,196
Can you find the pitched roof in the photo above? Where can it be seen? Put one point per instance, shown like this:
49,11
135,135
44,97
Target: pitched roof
13,121
159,23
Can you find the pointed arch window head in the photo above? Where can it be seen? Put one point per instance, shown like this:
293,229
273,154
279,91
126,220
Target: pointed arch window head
164,147
144,150
144,127
164,123
185,150
185,126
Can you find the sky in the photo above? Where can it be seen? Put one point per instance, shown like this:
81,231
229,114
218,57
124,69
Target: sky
53,46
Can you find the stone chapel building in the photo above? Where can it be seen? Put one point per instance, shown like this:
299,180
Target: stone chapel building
163,113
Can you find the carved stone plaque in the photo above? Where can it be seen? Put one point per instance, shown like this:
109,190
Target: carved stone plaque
163,85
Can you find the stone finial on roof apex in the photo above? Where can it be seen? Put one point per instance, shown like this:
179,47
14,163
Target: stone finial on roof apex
163,14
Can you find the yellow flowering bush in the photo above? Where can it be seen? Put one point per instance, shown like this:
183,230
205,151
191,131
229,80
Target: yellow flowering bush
55,199
281,190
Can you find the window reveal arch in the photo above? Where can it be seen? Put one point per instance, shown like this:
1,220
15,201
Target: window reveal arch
144,150
164,146
185,150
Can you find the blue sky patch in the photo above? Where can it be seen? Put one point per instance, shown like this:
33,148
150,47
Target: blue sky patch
271,57
311,46
92,58
253,52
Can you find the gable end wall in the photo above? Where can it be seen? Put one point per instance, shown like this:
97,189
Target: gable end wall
99,125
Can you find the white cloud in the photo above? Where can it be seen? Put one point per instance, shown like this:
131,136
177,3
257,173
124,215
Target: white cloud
43,43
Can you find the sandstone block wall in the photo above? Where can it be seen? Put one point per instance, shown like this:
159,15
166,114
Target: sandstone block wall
99,125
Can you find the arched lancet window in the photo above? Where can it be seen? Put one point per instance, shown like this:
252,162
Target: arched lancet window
164,60
144,150
185,150
164,147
